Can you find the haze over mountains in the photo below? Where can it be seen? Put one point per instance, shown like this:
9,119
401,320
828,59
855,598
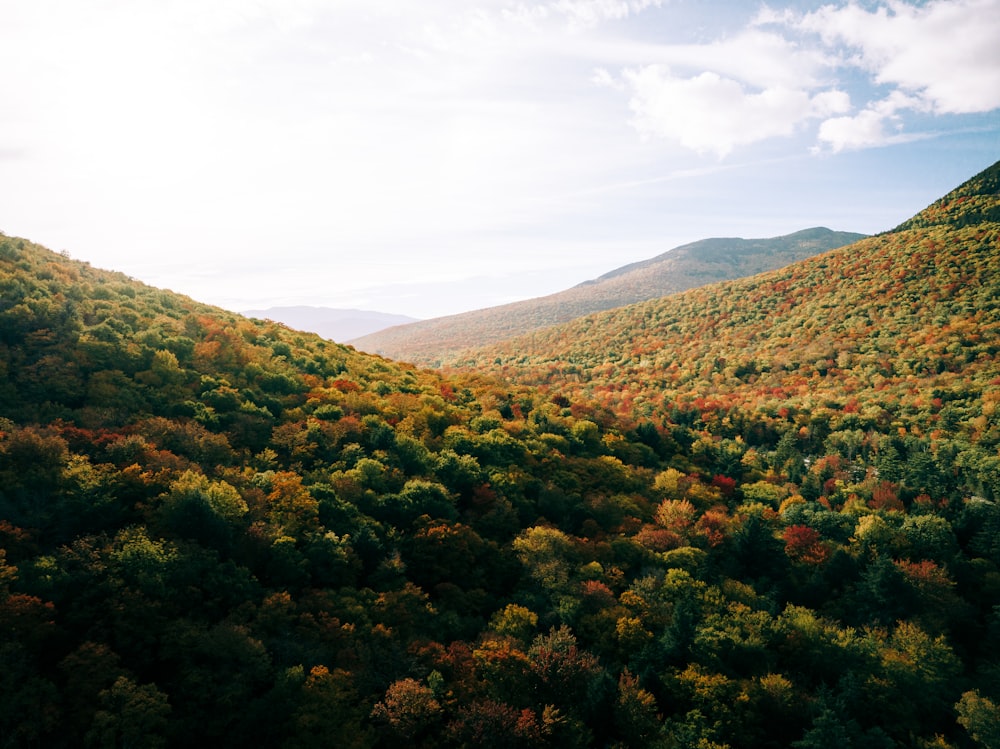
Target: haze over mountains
331,323
430,341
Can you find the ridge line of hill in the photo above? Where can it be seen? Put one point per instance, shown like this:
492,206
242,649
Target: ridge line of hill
429,342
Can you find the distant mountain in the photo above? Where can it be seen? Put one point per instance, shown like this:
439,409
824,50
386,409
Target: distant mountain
331,323
685,267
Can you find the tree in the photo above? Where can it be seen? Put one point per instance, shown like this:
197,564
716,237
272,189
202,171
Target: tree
636,717
329,713
981,718
31,474
217,669
514,621
202,510
488,724
547,555
29,702
131,717
827,732
565,675
804,544
409,710
919,678
89,670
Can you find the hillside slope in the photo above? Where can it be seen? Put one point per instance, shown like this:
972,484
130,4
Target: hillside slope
889,323
430,341
218,527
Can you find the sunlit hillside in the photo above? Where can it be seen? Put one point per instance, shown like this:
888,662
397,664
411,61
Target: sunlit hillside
429,342
898,328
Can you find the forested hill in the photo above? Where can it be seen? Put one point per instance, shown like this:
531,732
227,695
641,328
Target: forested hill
222,532
904,321
219,530
430,341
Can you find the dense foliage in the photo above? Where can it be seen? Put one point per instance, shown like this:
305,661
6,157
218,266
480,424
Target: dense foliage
768,519
429,342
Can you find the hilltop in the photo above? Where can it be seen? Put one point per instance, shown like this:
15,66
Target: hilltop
756,514
431,341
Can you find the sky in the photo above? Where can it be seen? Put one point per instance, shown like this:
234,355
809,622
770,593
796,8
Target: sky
426,157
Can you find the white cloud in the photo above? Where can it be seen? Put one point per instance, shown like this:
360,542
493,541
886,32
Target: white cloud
588,13
945,52
859,131
772,79
602,77
761,59
714,97
711,114
579,14
830,102
878,124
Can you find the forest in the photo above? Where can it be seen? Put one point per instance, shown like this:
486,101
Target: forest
756,514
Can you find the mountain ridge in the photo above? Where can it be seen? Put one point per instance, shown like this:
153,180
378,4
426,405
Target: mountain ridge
432,341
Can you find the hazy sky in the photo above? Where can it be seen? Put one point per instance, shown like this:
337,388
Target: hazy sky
431,156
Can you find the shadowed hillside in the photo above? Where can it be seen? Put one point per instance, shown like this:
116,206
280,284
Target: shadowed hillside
431,341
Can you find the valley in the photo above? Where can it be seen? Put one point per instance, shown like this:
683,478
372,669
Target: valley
761,512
